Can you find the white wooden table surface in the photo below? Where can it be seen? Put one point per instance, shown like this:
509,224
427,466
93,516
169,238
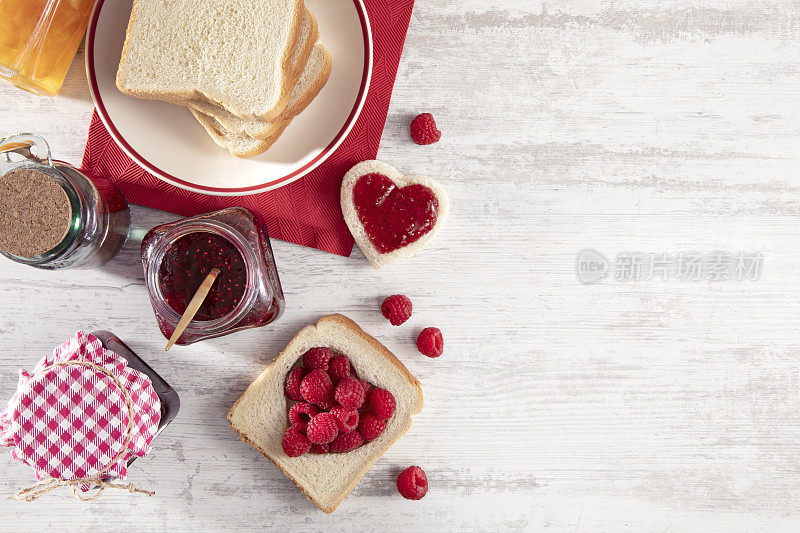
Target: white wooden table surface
655,126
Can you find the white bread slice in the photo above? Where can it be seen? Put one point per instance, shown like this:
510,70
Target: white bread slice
376,258
238,145
233,53
312,81
309,35
259,416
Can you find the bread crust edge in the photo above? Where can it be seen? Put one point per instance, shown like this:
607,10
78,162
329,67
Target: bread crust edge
273,138
124,56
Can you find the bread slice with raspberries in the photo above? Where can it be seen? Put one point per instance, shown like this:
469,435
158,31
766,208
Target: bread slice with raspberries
259,416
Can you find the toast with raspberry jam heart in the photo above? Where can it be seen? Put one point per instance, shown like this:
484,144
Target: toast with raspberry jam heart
327,408
391,216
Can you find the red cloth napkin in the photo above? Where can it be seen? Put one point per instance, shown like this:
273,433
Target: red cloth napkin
70,421
305,212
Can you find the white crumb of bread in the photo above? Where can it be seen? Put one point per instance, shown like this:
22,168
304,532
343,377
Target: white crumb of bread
236,54
312,81
309,35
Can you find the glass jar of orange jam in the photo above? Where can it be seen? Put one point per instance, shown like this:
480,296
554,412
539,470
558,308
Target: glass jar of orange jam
39,39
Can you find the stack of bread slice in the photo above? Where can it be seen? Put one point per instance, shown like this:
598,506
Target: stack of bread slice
244,68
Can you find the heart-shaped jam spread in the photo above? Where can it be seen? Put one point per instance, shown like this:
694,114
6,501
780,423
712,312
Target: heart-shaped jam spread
186,264
331,410
394,217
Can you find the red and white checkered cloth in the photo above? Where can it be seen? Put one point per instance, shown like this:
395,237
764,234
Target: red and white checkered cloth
69,422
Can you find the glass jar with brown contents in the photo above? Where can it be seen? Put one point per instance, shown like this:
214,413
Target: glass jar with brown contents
51,214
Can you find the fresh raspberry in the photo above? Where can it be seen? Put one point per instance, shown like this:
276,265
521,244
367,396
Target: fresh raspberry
292,387
339,367
412,483
322,429
366,384
430,342
423,129
397,309
370,426
317,359
326,405
382,403
349,393
316,387
347,419
346,442
294,442
319,449
302,413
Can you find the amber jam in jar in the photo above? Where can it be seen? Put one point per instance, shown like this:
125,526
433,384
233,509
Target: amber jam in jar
38,41
177,257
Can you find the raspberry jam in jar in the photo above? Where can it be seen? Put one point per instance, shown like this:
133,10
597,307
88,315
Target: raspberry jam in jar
186,264
177,257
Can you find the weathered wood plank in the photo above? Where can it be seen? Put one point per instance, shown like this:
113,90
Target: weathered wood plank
648,126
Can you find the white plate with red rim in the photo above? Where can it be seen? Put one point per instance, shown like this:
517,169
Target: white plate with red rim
167,141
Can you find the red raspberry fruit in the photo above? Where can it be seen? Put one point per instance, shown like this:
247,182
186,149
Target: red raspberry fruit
317,359
430,342
316,387
347,419
326,405
322,429
397,309
302,413
382,403
370,426
346,442
339,367
319,449
294,442
349,393
423,129
366,384
292,386
412,483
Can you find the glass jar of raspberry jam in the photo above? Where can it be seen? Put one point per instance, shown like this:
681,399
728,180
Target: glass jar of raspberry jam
178,256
